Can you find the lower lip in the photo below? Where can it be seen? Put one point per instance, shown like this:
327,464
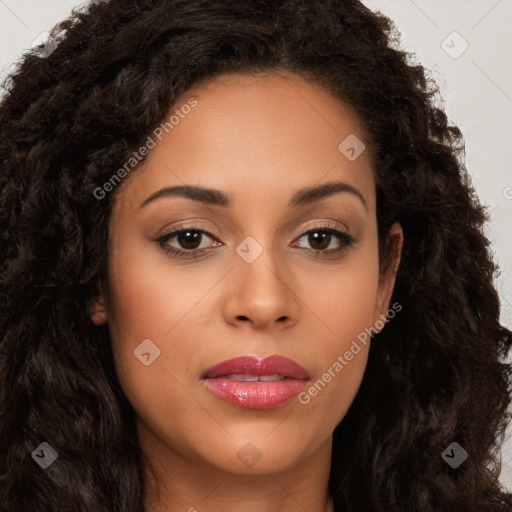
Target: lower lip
256,394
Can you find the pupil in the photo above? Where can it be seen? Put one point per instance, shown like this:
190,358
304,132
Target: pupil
314,239
193,238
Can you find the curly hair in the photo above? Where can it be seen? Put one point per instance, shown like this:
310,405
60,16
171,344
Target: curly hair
435,374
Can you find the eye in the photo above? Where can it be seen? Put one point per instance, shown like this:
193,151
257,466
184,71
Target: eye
322,237
188,238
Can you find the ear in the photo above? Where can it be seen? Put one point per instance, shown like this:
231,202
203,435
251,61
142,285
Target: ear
98,307
388,275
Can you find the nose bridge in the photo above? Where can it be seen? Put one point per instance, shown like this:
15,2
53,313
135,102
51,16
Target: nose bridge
259,260
259,242
261,293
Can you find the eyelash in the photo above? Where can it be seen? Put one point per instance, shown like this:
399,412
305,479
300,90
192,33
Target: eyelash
345,239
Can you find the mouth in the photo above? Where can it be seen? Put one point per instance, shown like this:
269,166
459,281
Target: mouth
255,383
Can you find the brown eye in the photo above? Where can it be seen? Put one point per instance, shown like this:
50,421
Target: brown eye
187,243
189,239
319,240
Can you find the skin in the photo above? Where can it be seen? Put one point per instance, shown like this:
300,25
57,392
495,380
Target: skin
258,139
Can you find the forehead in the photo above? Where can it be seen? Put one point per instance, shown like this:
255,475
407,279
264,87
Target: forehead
257,135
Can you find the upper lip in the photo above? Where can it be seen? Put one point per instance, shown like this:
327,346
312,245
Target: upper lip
252,365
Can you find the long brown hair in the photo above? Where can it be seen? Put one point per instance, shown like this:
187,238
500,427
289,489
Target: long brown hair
68,120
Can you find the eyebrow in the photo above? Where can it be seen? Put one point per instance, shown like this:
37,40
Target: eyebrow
215,197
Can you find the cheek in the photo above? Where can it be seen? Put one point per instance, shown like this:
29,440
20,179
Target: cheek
343,298
149,300
342,303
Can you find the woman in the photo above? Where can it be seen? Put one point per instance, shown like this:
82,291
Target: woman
242,268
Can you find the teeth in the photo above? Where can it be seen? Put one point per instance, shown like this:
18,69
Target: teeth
242,377
265,378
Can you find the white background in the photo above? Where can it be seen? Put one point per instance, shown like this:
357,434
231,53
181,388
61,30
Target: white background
476,87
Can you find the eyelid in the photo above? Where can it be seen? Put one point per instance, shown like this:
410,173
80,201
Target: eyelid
321,224
192,225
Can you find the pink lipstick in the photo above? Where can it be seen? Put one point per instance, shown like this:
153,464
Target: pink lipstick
255,383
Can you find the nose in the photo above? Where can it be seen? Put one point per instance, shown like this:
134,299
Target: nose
263,292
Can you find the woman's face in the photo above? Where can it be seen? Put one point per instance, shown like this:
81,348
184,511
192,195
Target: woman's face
280,272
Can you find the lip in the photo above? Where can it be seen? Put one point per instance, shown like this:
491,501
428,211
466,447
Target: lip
256,394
